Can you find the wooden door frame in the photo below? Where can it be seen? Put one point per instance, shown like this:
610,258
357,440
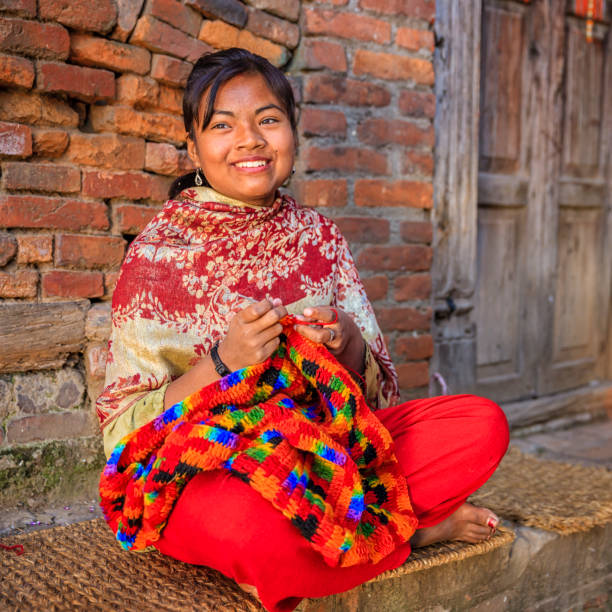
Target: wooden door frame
457,67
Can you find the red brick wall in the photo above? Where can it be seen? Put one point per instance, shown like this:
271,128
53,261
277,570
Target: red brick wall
91,136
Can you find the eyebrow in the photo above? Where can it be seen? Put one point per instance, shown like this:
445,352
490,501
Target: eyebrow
259,110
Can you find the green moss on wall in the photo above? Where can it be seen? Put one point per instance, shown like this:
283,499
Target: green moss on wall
50,471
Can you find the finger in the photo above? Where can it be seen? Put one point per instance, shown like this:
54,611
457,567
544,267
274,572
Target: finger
325,314
320,335
267,334
268,348
269,319
255,311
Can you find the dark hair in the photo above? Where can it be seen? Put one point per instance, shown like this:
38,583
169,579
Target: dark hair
213,70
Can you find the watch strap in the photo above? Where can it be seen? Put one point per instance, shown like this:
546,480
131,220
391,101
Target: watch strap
220,367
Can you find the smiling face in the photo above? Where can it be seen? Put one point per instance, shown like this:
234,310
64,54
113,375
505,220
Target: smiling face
246,152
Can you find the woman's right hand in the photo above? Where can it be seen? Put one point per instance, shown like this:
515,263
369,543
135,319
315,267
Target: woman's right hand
253,334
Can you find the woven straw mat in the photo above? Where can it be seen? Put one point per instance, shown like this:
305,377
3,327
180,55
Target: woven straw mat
82,567
560,497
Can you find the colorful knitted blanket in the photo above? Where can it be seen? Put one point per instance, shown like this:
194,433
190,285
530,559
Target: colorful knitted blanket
297,429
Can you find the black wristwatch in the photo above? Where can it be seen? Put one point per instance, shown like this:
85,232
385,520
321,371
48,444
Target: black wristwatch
220,367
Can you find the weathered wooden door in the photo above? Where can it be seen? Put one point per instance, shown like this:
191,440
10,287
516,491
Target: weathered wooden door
544,230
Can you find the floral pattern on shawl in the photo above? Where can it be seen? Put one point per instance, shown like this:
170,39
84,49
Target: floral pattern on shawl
197,263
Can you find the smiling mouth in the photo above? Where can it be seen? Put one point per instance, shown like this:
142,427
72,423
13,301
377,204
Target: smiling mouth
260,163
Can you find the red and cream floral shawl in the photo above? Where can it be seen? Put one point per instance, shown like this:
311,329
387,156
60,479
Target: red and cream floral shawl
202,258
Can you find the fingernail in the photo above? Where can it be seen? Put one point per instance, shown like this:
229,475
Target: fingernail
277,302
307,311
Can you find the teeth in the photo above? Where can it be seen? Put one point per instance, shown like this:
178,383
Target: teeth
251,164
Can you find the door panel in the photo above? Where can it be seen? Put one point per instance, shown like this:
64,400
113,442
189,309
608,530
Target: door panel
542,295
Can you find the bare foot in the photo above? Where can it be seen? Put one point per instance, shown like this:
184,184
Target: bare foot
468,523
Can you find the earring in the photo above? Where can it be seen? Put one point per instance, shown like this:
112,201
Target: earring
293,170
198,178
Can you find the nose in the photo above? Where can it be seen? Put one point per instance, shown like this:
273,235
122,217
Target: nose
249,136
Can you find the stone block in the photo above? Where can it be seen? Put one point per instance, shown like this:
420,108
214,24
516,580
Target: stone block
52,471
8,248
51,391
98,322
54,331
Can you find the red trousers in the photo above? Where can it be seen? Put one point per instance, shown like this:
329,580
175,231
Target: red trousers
447,446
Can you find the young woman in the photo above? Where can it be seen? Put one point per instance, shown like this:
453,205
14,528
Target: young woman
202,292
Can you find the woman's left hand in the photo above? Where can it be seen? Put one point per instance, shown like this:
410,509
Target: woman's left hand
341,336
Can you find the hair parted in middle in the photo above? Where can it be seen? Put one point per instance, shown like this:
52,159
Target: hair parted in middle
209,73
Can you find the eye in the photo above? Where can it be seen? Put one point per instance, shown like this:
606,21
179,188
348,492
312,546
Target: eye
220,125
269,120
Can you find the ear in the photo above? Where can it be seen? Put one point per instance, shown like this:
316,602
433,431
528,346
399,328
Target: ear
192,151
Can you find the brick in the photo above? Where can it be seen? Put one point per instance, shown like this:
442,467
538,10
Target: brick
95,360
99,16
160,37
16,71
18,284
416,231
347,25
176,14
48,142
324,88
8,248
118,57
127,16
22,8
43,40
376,287
231,11
34,248
318,122
322,192
411,375
72,284
49,426
41,177
107,151
29,211
132,185
89,251
170,71
417,104
415,40
393,193
223,36
321,54
412,348
162,159
346,159
404,318
88,84
416,9
152,126
364,229
414,287
383,131
137,91
15,140
110,282
395,258
170,100
289,9
334,2
418,162
35,109
393,67
132,219
278,30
